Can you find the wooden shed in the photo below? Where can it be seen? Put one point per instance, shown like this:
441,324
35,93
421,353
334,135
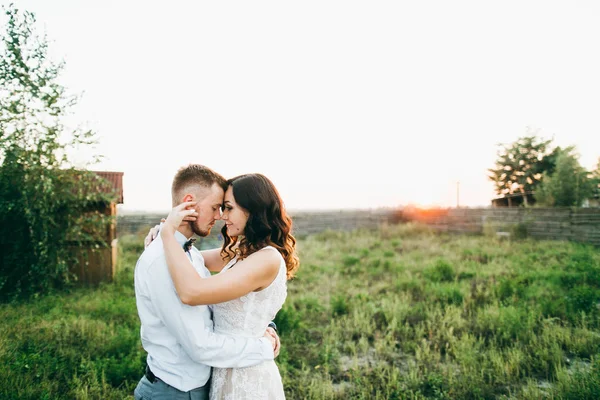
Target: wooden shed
95,261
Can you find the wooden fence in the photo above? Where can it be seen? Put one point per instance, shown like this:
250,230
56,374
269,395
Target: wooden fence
575,224
304,222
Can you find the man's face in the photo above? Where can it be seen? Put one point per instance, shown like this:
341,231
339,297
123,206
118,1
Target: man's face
208,207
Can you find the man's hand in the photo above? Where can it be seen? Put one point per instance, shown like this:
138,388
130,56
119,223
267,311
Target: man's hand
274,338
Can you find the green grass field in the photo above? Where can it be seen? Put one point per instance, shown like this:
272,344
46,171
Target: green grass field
396,313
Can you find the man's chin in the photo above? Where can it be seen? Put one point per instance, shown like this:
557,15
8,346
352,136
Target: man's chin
201,233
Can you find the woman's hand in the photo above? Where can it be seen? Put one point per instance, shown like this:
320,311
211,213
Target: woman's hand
179,215
154,231
152,234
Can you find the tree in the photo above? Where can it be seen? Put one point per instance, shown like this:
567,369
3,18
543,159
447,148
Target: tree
520,165
595,178
569,185
45,203
596,171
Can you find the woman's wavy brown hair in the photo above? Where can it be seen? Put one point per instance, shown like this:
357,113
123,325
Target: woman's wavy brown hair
268,222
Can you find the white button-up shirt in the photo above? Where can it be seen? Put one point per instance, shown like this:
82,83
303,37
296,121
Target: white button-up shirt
178,338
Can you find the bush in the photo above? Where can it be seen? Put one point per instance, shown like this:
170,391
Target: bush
46,206
349,261
583,299
340,305
518,231
287,320
441,271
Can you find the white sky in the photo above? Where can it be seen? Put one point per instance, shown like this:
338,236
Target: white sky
343,104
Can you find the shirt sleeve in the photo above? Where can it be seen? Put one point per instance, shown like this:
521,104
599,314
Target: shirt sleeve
187,325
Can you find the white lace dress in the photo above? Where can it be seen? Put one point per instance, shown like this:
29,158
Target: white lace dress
249,316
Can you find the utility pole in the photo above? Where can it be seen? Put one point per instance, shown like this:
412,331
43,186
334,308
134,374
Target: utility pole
457,193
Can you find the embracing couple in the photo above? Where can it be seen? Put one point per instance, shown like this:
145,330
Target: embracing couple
214,309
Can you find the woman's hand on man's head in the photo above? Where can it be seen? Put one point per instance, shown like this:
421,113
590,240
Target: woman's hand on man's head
180,215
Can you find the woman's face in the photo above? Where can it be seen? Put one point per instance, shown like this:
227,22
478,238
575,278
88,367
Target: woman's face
234,216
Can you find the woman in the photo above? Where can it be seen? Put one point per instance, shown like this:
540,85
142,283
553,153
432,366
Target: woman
257,258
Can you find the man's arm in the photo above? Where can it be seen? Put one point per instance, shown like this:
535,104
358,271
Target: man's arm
186,324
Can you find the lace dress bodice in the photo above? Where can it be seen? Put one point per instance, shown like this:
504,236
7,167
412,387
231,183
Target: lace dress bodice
249,316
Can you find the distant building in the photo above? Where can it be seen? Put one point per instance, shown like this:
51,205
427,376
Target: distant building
593,201
116,180
514,200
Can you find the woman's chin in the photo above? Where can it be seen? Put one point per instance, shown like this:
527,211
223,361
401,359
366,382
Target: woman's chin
233,232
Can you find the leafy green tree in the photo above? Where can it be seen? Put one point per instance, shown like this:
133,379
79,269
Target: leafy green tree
521,164
47,207
595,176
569,185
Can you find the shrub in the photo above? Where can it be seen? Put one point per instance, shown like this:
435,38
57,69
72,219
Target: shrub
441,271
46,206
518,231
340,305
583,299
287,320
350,261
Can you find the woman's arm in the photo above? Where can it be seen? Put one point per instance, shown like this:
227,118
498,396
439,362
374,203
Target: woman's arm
251,274
213,260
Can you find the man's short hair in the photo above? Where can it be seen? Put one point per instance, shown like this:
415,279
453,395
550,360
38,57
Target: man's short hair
194,175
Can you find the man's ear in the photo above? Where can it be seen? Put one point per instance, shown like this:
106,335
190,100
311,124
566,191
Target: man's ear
188,197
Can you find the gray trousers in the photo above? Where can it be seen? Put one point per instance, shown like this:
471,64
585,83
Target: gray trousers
159,390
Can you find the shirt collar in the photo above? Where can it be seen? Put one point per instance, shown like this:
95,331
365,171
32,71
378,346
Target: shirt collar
180,237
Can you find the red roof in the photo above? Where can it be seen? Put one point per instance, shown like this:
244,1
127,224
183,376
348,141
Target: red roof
115,179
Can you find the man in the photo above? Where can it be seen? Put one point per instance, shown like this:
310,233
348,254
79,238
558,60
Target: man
179,340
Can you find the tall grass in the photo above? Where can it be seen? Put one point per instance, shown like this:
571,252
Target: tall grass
395,313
